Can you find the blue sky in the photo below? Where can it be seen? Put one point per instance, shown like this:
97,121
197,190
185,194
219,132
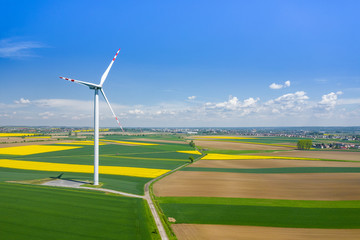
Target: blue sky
182,63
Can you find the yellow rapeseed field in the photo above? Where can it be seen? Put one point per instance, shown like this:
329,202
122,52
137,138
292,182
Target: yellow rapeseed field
33,149
81,143
77,168
16,134
190,152
130,143
217,156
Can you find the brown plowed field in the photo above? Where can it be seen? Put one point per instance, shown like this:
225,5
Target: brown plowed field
215,232
237,145
299,186
270,163
337,155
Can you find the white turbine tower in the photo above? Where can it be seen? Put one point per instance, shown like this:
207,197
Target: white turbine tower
96,88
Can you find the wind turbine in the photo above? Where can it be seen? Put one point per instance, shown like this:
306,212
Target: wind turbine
97,88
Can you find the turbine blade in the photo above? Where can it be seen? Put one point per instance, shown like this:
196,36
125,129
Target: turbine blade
103,77
117,120
81,82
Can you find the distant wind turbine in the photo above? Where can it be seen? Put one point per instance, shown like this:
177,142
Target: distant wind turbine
96,88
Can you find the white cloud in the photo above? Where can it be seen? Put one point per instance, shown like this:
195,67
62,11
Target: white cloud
280,86
136,111
22,101
275,86
291,97
290,109
250,102
191,97
328,101
10,48
288,104
233,103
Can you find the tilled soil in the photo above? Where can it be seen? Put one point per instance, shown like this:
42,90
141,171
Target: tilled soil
215,232
299,186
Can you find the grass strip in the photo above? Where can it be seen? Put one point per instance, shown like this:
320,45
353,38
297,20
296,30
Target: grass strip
278,170
292,217
260,202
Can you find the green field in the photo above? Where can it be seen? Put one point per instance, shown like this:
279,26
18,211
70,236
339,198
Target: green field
263,212
38,212
161,156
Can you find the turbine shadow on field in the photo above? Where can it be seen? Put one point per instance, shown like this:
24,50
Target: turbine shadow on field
70,179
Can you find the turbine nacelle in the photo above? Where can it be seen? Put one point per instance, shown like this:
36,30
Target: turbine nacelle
95,87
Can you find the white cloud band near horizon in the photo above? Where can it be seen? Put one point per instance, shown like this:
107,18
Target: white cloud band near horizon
291,109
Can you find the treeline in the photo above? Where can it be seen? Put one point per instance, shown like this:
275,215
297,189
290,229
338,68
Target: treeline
304,144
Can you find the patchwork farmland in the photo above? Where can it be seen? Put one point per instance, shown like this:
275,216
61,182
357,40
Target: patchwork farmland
126,164
243,192
243,188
